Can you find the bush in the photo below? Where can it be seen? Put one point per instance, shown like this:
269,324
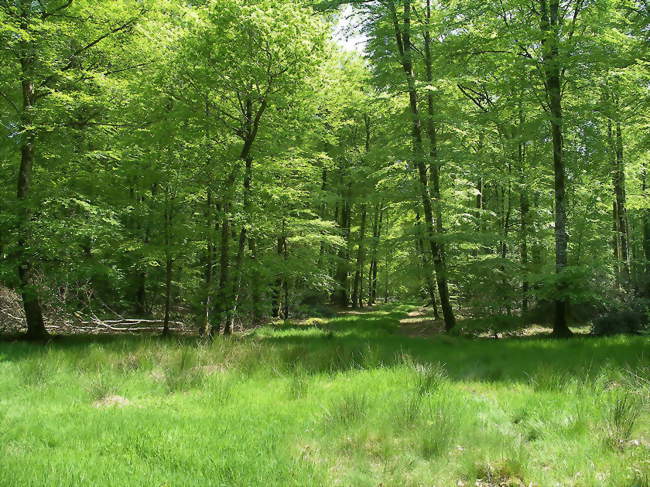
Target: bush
618,322
492,325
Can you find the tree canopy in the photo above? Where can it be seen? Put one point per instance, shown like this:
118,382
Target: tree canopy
224,162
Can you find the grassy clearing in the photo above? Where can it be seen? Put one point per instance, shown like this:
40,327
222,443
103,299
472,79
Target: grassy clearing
347,402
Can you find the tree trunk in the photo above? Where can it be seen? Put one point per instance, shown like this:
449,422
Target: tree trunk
169,260
241,249
169,263
524,211
505,227
341,296
285,281
646,235
550,18
26,273
209,264
439,259
620,210
323,215
427,271
224,271
525,216
255,283
403,39
357,289
275,298
374,261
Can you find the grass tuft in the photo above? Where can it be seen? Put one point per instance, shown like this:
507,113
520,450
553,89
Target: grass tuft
347,409
183,372
429,378
621,418
36,371
100,386
298,383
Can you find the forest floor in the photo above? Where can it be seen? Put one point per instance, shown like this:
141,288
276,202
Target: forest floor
355,400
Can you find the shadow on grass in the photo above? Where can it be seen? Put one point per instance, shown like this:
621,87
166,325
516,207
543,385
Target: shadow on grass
371,340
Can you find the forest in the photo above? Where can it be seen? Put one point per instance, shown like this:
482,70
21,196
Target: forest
278,215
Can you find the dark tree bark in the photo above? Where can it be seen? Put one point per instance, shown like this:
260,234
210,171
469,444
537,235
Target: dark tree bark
550,24
524,214
323,214
26,270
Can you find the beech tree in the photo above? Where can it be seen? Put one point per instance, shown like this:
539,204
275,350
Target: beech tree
225,164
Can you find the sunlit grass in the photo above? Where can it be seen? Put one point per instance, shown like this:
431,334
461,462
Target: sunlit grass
348,401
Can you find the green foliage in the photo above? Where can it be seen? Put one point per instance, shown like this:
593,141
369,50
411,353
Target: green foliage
616,322
492,325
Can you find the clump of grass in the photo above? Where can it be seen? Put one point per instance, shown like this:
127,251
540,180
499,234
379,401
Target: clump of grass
298,383
429,378
640,479
100,386
439,430
183,372
94,360
621,418
220,388
37,371
129,362
294,357
506,473
347,409
545,379
410,412
341,358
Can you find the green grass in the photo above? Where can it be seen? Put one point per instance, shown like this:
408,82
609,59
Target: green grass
347,402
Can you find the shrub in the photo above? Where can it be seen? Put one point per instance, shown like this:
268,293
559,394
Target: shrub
492,325
618,322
